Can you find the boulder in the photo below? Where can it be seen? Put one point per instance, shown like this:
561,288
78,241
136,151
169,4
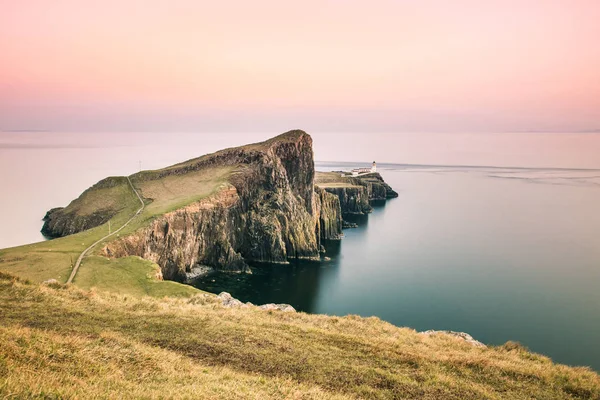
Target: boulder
277,307
228,301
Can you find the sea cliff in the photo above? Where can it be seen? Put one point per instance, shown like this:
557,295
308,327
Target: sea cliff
355,193
264,207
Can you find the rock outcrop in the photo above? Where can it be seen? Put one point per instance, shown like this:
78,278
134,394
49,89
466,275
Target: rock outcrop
231,302
461,335
356,193
330,215
353,199
58,223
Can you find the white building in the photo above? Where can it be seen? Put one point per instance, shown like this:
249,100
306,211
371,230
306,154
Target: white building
361,171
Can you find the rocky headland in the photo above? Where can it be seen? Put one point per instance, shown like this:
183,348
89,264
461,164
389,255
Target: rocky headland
267,205
355,193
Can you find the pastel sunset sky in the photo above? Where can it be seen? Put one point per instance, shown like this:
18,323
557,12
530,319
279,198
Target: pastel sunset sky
326,65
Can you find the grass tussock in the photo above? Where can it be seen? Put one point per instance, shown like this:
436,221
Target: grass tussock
64,342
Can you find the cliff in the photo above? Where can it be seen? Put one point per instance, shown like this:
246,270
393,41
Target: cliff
257,202
355,193
251,203
267,211
330,215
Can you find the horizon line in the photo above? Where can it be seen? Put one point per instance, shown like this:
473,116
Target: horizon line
464,166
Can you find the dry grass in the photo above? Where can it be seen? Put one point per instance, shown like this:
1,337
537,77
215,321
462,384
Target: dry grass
131,347
48,365
332,179
176,191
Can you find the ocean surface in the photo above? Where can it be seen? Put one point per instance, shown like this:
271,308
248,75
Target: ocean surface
503,253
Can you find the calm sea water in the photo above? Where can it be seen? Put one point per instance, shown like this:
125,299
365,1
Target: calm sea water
500,253
503,254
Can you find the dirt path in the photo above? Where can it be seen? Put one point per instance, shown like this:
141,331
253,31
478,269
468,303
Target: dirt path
83,254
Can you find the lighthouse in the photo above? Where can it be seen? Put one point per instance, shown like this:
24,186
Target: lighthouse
374,167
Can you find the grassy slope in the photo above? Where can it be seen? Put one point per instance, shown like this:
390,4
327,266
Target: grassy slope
65,342
131,275
332,179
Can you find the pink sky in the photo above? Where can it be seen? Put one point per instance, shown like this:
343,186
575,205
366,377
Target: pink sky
381,65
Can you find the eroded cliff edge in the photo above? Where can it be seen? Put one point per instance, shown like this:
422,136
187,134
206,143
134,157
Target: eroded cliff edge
355,193
252,203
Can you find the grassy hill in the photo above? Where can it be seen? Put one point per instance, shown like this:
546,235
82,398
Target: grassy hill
62,342
53,259
113,202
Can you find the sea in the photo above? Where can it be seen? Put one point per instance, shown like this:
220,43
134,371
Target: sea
502,252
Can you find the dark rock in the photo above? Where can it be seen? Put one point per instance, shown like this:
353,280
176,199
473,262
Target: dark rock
347,224
353,199
356,193
330,216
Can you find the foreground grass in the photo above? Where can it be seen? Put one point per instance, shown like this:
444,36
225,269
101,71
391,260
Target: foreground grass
64,342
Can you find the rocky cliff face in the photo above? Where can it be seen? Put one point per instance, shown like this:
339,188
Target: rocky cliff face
330,215
269,212
353,199
356,194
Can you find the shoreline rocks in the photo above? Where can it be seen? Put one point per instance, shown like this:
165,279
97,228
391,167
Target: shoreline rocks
231,302
461,335
197,272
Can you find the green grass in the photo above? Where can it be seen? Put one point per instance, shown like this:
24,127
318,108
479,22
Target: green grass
176,191
53,259
114,198
132,276
64,342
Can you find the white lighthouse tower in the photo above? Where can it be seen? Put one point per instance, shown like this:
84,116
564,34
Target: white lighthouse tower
374,167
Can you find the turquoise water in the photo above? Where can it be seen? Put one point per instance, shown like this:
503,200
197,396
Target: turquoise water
503,254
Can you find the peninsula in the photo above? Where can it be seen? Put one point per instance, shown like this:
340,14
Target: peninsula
126,328
261,202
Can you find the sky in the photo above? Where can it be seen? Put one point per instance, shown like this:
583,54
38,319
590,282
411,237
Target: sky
320,65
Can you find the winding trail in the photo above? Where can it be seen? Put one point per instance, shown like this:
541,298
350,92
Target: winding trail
83,254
